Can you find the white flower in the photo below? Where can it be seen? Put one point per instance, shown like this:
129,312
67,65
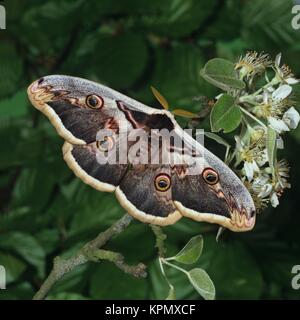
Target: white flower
262,157
274,200
278,59
278,125
251,150
282,169
282,92
291,118
256,133
284,73
250,168
241,146
253,63
279,143
292,81
274,104
265,190
261,186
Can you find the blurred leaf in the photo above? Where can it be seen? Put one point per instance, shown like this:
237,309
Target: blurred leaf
54,13
225,114
160,98
27,247
11,133
48,239
14,267
178,18
91,208
177,76
191,251
184,229
130,244
108,282
22,290
28,186
217,138
114,55
185,113
268,24
66,296
171,294
29,145
226,23
11,69
129,7
221,74
241,274
15,9
202,283
15,106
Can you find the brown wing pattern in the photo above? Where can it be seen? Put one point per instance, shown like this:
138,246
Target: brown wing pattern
153,193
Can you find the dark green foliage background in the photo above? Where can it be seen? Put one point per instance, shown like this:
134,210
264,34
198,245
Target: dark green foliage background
129,45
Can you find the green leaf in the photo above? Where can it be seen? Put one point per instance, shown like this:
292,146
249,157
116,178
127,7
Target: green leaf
18,291
28,185
109,282
221,74
171,294
14,267
267,24
191,251
27,247
159,288
48,239
87,207
271,148
225,114
217,138
233,269
15,106
175,18
202,283
184,60
67,296
11,68
115,55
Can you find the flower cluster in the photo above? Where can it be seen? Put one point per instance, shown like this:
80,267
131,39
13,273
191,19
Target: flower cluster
269,112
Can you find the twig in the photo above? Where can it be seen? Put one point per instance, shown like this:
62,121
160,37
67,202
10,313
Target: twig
254,118
160,240
66,51
91,252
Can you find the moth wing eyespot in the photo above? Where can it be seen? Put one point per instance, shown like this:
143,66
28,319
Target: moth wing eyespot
210,176
106,144
162,182
93,101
